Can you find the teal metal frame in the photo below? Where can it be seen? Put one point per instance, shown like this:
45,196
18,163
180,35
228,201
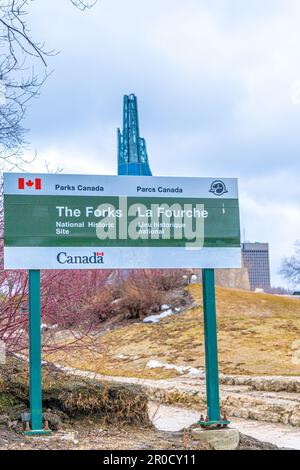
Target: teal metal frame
211,347
133,161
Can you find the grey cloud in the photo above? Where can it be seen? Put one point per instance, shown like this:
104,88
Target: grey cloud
214,82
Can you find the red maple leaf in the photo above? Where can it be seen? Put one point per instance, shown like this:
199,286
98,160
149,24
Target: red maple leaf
29,183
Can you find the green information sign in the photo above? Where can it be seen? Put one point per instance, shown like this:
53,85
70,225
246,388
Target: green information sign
71,222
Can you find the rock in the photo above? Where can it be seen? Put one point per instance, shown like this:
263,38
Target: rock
70,437
250,443
295,417
14,425
54,420
15,412
264,384
4,421
218,439
145,447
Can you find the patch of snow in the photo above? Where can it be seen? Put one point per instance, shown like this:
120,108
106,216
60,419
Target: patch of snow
126,357
191,371
153,364
165,307
122,356
157,318
44,326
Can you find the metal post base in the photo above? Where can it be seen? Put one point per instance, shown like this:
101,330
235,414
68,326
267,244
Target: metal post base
221,423
38,432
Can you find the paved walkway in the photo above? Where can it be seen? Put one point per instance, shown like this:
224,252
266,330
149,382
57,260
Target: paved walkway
170,418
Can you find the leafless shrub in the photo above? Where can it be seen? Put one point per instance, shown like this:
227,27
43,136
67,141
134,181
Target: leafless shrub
140,294
290,268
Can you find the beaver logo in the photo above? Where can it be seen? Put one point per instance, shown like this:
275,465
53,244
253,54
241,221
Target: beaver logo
218,188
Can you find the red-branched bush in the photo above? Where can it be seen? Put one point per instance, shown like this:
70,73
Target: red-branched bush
67,298
13,304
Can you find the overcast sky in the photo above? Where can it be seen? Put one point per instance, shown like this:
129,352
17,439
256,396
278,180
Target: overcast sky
218,83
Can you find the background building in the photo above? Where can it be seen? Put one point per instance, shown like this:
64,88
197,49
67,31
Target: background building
256,260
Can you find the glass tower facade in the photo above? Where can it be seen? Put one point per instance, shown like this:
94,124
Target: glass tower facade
256,260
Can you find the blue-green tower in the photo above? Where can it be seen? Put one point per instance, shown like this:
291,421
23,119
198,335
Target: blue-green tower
132,151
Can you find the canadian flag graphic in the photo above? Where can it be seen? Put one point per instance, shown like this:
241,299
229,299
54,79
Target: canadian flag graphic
35,184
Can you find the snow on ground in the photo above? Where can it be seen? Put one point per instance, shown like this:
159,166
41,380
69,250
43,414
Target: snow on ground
166,312
190,371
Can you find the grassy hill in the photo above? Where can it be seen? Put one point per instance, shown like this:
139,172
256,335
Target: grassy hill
259,334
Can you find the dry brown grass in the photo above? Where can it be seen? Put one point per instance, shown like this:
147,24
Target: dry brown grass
256,336
77,397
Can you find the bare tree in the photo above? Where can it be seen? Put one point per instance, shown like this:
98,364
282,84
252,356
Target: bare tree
22,73
290,268
84,4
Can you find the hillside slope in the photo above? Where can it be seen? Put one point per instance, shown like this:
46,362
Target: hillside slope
259,334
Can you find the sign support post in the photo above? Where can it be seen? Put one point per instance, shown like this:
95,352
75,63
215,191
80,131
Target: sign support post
211,347
35,355
211,351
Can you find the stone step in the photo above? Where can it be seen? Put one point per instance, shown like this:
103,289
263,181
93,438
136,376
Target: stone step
239,401
264,383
